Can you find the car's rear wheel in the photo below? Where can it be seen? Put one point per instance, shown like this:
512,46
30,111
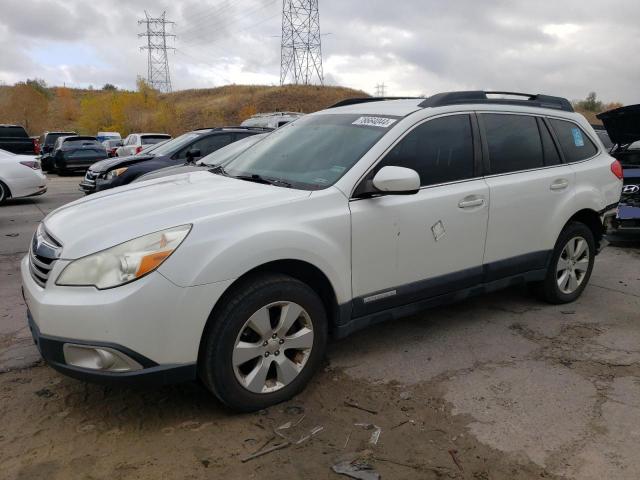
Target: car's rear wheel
60,170
264,342
4,193
571,265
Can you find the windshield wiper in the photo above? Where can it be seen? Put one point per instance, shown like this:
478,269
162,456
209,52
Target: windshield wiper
264,180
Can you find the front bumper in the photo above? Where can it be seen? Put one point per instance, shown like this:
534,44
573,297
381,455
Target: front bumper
158,320
52,351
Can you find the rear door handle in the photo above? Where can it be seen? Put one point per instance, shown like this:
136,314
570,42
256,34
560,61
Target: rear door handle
560,184
471,202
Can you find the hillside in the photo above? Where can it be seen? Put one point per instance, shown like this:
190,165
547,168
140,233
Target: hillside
41,108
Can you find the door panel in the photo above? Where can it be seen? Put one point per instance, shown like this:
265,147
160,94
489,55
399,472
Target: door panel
409,247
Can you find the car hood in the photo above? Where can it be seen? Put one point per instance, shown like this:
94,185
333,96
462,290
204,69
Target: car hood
169,171
622,124
108,218
116,162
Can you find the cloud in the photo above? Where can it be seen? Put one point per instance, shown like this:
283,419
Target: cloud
566,48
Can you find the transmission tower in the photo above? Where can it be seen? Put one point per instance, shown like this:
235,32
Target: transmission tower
381,90
301,50
158,66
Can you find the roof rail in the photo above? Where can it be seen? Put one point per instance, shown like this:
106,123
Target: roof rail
358,100
236,127
479,96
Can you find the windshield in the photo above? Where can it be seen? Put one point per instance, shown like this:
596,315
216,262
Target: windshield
177,143
313,152
231,151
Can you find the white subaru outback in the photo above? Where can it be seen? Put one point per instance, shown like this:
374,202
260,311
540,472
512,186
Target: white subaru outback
365,212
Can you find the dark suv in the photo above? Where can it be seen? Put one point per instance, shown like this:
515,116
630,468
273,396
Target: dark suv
47,141
187,148
15,139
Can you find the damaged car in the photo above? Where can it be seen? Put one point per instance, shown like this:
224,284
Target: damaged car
623,127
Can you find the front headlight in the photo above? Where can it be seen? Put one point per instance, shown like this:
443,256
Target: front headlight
115,173
124,263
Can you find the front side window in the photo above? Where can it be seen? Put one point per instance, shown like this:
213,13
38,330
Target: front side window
440,150
574,142
313,152
513,141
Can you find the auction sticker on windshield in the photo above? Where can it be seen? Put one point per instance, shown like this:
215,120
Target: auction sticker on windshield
381,122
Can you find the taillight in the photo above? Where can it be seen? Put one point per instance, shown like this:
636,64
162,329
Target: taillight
138,150
31,164
616,169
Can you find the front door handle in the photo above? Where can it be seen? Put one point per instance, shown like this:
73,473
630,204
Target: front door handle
471,202
560,184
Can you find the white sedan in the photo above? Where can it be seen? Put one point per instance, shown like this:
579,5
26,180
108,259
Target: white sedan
20,176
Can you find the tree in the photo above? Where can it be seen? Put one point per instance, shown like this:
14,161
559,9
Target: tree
590,104
28,106
109,87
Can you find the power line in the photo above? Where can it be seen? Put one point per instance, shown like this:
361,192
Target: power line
381,90
301,47
158,64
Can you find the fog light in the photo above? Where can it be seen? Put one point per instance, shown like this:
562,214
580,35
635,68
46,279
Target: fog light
98,358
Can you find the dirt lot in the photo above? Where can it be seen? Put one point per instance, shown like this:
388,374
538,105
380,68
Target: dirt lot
498,387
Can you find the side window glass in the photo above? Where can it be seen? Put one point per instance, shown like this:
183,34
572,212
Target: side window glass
574,142
514,142
440,150
551,155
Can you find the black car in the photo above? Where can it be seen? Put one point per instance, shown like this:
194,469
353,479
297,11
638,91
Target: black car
76,153
218,158
187,148
15,139
47,142
623,128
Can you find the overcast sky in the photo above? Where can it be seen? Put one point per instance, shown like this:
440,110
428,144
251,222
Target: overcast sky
563,47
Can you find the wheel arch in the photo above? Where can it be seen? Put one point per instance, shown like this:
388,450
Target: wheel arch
298,269
591,219
6,187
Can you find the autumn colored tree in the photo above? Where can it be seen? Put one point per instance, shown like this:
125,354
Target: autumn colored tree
27,106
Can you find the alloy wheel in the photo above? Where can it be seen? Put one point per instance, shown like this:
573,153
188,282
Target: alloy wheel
573,265
273,347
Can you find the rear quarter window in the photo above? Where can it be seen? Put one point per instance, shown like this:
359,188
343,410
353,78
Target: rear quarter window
575,144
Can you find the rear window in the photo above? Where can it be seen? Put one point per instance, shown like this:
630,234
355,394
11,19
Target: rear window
52,137
14,132
153,139
574,142
604,138
80,142
514,142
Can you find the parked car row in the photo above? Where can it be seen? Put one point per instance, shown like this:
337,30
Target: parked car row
236,272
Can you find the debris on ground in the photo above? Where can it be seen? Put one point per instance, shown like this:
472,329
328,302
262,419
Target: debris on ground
355,469
348,403
454,456
375,435
44,393
405,395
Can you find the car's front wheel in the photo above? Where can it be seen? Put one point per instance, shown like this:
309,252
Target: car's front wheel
571,265
264,342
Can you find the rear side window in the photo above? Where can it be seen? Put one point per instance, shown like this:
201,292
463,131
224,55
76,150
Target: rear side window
574,142
513,141
440,150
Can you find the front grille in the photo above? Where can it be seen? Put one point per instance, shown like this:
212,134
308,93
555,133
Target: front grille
43,254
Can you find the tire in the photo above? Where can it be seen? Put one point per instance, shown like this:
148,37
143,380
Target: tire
558,288
235,356
4,193
59,170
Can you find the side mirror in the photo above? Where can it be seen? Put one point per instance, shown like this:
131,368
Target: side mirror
193,153
396,181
